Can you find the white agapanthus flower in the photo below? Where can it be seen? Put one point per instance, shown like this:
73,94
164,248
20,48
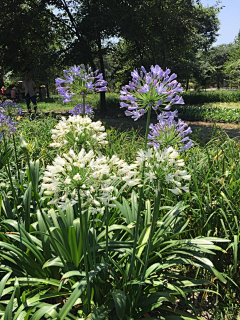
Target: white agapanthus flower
93,176
164,167
78,131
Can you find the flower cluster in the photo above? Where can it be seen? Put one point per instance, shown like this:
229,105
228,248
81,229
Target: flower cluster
163,167
7,125
167,132
78,110
78,131
155,89
9,112
11,109
90,175
80,80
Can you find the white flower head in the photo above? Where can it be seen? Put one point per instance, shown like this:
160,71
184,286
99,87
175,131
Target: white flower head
77,177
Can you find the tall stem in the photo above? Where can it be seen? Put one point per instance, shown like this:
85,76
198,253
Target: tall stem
107,218
139,210
84,252
83,105
147,127
16,159
140,199
88,251
154,220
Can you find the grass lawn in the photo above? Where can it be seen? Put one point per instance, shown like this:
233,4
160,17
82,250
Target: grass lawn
226,112
54,103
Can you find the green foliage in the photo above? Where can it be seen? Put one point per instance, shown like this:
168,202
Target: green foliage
150,255
232,65
201,97
14,19
210,113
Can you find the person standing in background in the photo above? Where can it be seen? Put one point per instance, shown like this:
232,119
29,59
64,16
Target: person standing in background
30,93
13,94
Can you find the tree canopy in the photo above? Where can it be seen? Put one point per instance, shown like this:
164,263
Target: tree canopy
41,36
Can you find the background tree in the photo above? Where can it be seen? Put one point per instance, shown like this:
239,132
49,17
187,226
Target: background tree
44,35
218,56
168,33
232,65
28,36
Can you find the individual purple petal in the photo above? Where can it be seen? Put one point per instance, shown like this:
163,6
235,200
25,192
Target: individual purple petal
122,97
155,70
124,105
187,146
145,88
59,81
101,89
143,70
167,72
184,139
159,102
168,107
179,101
172,77
135,75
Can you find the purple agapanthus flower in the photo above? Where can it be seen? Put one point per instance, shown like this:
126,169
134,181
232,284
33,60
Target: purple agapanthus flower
11,109
9,112
7,125
156,89
168,132
78,109
80,80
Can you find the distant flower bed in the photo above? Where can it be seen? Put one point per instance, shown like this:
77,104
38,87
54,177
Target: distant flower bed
211,114
200,97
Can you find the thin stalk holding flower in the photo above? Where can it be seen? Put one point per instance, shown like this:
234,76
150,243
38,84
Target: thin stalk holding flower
88,251
107,221
83,97
147,128
154,220
84,251
16,158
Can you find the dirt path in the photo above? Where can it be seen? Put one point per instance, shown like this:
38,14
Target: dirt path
204,129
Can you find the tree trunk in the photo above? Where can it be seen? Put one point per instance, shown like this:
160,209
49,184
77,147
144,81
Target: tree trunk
40,94
47,90
103,106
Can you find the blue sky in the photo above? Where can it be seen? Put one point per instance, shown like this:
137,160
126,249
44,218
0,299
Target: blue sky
229,18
